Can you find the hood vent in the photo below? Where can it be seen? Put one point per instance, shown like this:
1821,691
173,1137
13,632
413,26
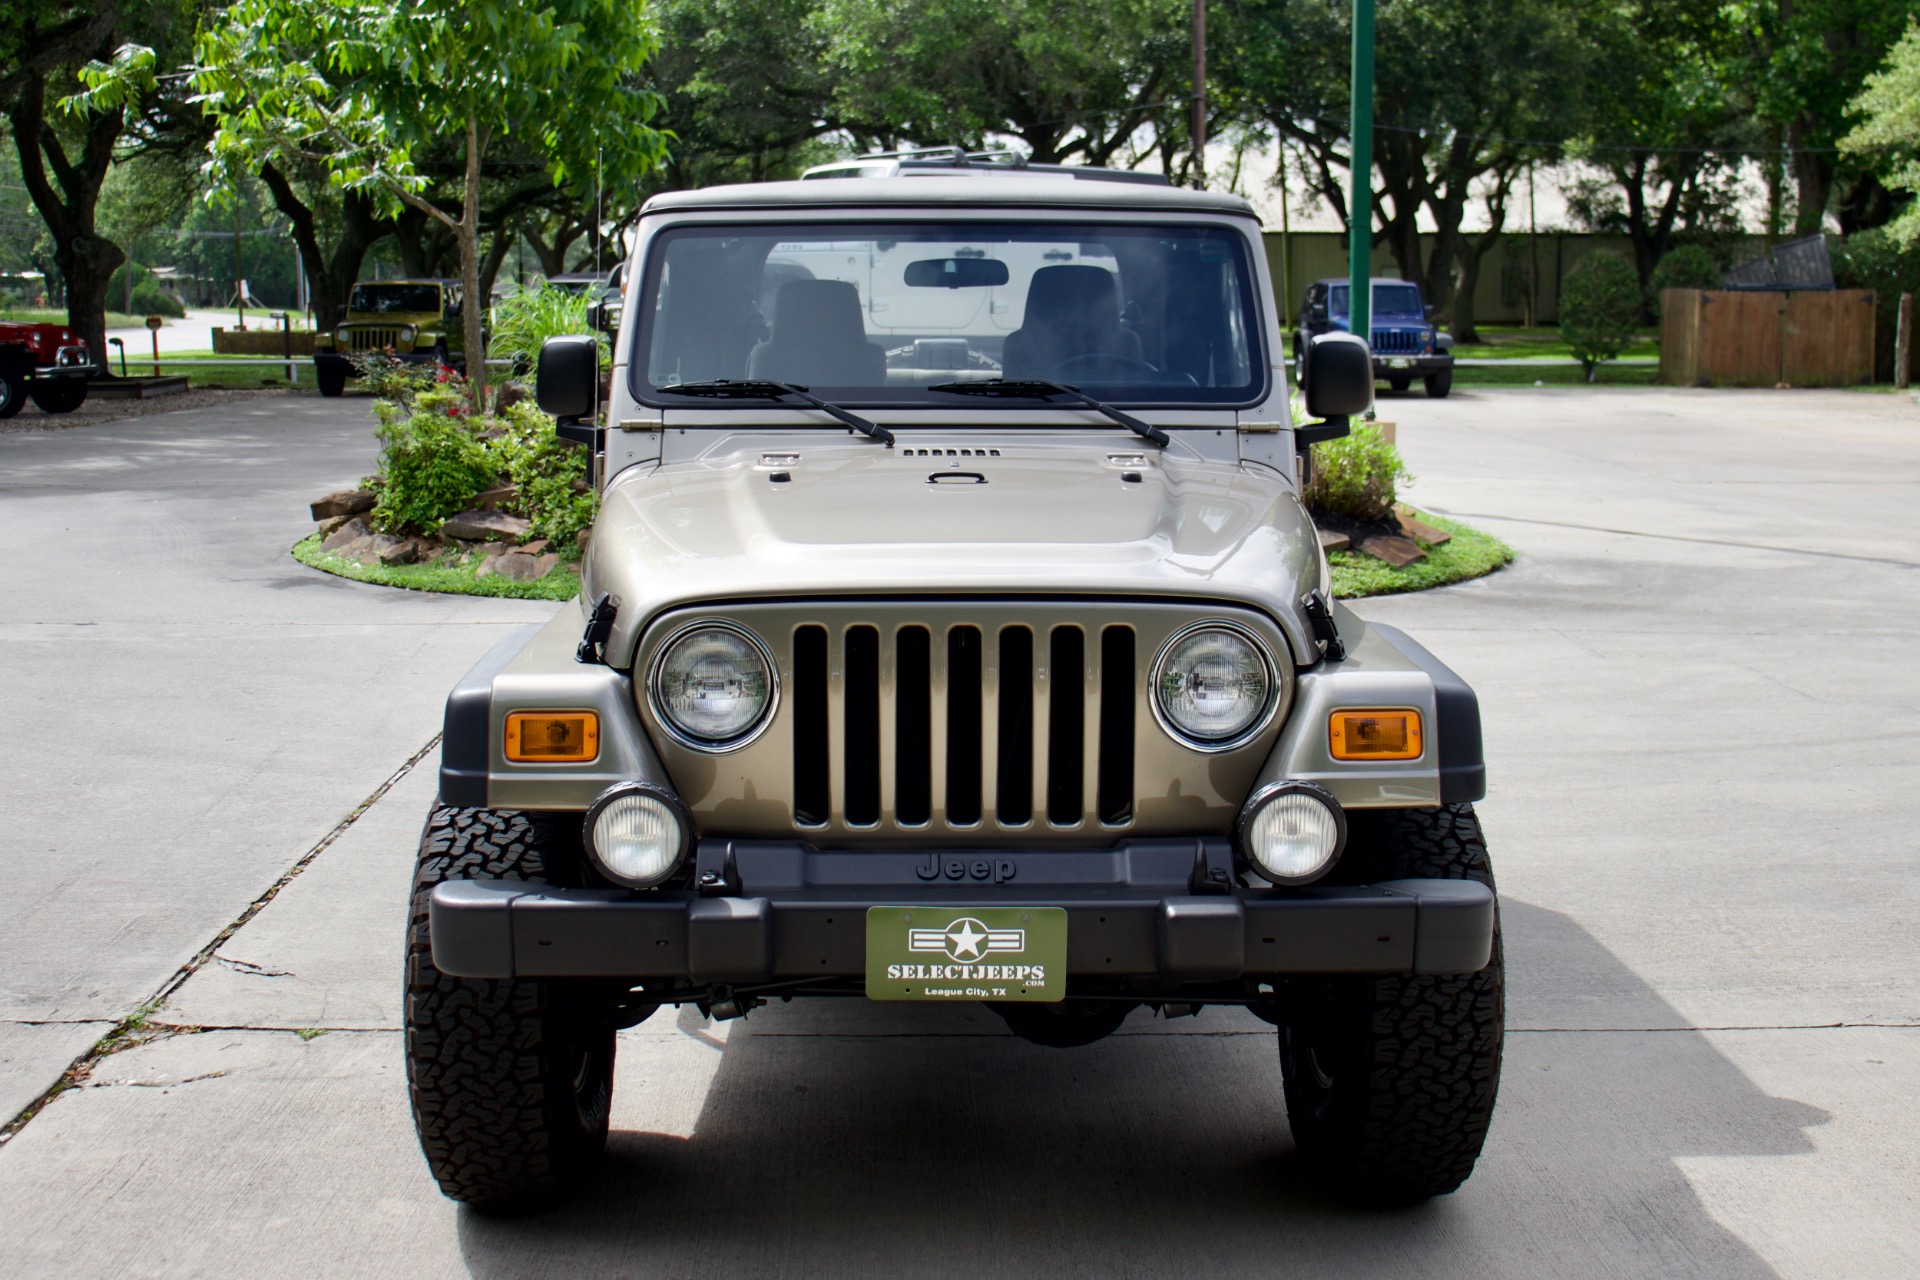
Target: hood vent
943,452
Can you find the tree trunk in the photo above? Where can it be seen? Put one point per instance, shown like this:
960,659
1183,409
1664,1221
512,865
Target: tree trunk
330,275
496,254
85,260
473,302
1813,180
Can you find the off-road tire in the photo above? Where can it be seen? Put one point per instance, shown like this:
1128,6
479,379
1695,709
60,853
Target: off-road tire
13,393
1439,384
1390,1081
511,1080
331,381
58,395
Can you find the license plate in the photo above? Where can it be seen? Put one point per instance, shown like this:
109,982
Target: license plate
1397,364
966,953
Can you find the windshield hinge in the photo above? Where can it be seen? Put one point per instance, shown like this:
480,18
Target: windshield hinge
599,627
1320,618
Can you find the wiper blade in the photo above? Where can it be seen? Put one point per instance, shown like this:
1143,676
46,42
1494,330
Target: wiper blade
1040,388
756,389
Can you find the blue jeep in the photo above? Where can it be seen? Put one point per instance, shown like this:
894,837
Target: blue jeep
1406,344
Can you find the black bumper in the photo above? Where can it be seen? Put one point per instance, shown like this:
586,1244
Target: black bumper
789,913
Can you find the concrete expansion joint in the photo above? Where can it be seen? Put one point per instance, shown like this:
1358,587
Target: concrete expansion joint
1681,537
139,1028
1737,1026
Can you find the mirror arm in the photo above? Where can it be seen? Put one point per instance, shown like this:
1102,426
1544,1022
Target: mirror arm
575,431
1309,434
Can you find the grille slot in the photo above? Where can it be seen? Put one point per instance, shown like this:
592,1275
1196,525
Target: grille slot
812,802
964,746
1066,727
913,727
862,742
1115,799
1014,783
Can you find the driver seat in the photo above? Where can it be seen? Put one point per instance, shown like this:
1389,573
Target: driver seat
818,338
1071,311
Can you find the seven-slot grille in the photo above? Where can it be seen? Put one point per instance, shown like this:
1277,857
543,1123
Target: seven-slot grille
1397,342
1010,726
373,337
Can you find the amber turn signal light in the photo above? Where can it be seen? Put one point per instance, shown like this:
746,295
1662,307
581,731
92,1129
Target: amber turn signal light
1374,735
548,737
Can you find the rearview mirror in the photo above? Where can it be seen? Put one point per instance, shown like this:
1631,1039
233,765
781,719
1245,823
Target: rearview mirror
956,273
567,384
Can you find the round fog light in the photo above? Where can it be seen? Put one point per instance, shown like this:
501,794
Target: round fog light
1291,832
637,834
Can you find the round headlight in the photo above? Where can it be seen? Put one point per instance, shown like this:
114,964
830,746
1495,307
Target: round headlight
1292,832
713,686
637,834
1213,686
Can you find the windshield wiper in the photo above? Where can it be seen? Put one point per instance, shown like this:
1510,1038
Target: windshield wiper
1039,388
753,389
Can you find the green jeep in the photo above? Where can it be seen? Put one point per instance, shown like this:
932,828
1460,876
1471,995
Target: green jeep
412,320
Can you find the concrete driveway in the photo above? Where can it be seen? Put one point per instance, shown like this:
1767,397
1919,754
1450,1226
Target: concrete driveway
1700,696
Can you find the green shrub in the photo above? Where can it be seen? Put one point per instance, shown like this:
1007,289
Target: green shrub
523,322
1356,476
149,299
397,381
432,463
549,474
1599,309
1688,267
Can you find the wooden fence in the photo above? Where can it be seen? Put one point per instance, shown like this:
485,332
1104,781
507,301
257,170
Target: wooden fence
1740,338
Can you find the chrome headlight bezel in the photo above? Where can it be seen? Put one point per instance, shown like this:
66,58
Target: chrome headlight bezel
686,737
676,809
1275,697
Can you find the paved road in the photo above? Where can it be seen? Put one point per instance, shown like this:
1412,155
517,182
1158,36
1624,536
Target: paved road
1700,700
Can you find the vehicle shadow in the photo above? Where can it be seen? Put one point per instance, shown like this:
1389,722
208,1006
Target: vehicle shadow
845,1138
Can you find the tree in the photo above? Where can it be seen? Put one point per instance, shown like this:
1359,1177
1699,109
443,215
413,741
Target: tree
364,88
1600,304
1071,80
1888,134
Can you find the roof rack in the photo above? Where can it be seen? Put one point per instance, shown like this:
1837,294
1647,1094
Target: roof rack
893,164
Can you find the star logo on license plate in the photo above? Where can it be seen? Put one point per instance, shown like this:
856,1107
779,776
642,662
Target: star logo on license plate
966,940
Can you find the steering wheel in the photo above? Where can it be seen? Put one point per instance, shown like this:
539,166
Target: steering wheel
1093,363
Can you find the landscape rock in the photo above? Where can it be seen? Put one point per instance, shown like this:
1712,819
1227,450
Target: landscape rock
1331,541
402,551
503,495
523,568
485,526
582,538
1416,528
331,523
347,502
356,550
535,547
1398,552
352,531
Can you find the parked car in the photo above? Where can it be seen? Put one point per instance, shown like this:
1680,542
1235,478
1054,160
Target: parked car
417,321
952,631
47,363
1406,344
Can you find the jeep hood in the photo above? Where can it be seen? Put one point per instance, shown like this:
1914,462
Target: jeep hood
1048,518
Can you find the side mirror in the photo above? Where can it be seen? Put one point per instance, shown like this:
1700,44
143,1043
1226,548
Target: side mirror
1317,311
340,313
567,385
1339,385
453,311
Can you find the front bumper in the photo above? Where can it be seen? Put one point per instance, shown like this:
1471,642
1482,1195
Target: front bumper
1411,366
1140,912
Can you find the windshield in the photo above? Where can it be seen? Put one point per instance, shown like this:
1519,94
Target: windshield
1389,299
380,298
880,313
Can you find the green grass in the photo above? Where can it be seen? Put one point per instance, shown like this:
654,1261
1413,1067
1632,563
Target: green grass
1553,375
1470,554
58,315
1513,343
448,575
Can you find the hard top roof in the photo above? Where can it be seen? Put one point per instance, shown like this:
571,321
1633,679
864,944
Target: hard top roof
977,189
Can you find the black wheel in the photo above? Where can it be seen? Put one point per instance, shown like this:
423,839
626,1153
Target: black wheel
1390,1081
1438,384
58,395
1400,384
511,1080
13,393
440,356
332,379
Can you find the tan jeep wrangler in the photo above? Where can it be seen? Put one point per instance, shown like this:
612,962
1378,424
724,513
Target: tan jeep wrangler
952,631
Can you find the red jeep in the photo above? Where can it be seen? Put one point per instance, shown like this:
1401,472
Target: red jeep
49,362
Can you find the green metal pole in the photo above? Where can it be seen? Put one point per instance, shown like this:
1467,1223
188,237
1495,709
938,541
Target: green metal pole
1360,230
